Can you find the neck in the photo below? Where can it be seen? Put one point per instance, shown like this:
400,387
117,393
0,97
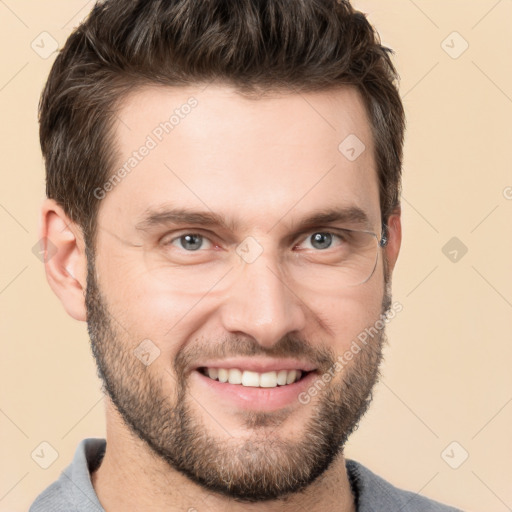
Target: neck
131,478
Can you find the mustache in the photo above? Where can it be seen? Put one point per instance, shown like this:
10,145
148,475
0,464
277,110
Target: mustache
321,356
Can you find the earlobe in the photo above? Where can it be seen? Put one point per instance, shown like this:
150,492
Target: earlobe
65,259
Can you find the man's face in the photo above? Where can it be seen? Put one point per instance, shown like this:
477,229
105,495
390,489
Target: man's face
258,289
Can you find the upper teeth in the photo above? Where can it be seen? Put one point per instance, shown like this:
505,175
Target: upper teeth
254,379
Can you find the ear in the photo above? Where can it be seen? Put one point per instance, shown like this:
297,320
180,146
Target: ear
64,258
394,231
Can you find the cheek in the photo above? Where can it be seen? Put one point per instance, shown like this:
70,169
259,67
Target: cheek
148,307
139,303
348,313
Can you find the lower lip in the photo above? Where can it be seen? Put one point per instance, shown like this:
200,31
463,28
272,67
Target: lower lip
246,397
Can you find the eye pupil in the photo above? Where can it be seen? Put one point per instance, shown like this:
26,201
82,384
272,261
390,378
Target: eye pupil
321,240
194,240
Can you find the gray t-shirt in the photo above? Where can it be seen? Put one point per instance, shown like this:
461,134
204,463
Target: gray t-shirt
73,491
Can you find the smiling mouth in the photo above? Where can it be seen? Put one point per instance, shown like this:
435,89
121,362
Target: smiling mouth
248,378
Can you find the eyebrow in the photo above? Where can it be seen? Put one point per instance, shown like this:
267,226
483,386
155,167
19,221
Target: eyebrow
165,216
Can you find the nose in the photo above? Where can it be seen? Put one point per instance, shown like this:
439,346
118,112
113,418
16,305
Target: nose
261,303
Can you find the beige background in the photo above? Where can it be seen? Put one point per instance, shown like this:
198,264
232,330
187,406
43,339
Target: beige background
447,371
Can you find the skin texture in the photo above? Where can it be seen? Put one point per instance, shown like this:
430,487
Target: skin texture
266,163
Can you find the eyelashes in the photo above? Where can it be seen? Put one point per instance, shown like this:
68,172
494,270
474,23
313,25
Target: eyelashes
196,240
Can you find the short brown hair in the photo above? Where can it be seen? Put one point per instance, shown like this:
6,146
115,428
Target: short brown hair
254,45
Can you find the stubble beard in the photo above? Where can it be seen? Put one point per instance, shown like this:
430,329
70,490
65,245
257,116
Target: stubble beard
260,467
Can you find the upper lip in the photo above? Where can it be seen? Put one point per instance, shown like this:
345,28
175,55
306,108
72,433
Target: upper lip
260,365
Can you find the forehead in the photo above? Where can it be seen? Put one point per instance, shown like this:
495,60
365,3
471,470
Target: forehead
211,148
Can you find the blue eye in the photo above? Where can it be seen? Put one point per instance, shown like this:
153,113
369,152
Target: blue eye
321,239
190,241
194,242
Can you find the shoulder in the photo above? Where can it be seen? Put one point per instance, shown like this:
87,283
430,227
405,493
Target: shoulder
375,493
53,498
73,491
